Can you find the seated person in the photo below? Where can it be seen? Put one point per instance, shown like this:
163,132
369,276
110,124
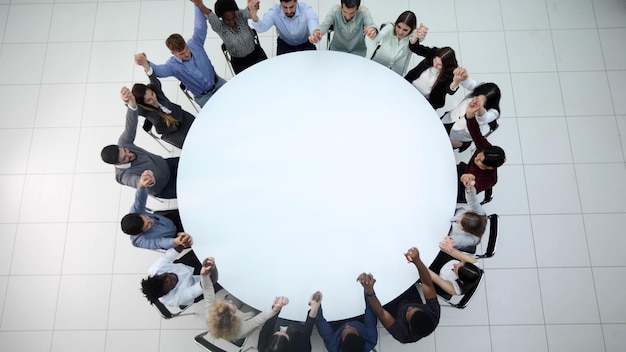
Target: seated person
457,275
469,223
352,336
174,284
351,22
295,22
169,119
130,161
224,320
231,24
437,75
482,166
190,63
392,49
406,318
153,231
454,121
295,337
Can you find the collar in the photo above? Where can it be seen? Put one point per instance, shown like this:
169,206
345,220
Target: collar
122,166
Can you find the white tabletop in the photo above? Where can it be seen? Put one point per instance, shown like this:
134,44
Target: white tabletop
309,168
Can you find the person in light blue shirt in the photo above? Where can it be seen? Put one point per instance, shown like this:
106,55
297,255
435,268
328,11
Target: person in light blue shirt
295,22
190,64
351,23
353,336
152,231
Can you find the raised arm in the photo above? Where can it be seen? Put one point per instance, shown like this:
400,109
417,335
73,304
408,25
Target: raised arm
368,281
413,256
369,27
200,26
472,125
208,265
325,331
263,24
132,115
472,199
250,325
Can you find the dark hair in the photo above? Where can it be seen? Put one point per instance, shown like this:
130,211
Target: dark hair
132,224
468,276
277,343
223,6
110,154
175,42
474,224
288,0
139,92
353,343
494,156
422,324
152,287
491,91
351,3
408,18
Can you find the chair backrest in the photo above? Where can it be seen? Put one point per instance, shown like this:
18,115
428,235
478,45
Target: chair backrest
227,57
219,345
488,196
183,87
493,126
378,44
460,301
493,237
329,36
147,126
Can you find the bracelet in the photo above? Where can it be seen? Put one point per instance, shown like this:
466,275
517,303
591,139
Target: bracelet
370,294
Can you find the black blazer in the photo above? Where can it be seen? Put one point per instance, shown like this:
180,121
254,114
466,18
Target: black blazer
437,96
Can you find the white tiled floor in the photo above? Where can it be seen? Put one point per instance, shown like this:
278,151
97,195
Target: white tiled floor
69,278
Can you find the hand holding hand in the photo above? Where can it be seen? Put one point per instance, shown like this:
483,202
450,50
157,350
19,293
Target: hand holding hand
412,255
421,31
316,299
315,37
142,60
147,179
253,6
370,32
367,281
474,106
207,265
460,74
446,244
279,303
468,180
184,239
127,96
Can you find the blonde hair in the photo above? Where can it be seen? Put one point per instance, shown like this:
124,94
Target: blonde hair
222,323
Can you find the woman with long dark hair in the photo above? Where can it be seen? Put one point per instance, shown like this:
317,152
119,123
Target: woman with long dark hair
488,95
392,50
169,119
437,75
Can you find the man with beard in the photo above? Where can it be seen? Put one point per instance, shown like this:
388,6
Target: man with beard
295,22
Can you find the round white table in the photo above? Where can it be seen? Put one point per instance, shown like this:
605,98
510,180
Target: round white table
309,168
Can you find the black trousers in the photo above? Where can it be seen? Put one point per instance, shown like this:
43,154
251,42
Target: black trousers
242,63
284,48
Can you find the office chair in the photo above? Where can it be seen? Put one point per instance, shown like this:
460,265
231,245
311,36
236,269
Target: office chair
227,56
329,36
220,345
189,259
456,301
493,126
147,126
183,87
490,251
